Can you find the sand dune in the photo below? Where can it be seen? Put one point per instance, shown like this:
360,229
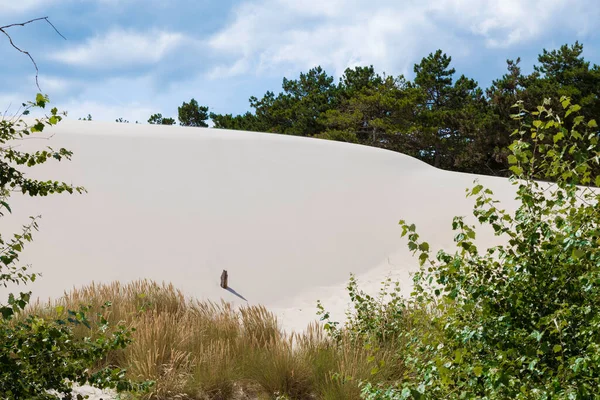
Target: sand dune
290,218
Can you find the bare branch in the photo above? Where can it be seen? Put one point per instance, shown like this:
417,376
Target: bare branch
34,20
37,70
55,30
3,30
23,23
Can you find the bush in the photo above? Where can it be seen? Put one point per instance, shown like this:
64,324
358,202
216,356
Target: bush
519,320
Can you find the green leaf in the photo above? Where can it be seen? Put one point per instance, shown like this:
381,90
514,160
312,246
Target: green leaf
537,335
40,100
518,171
38,127
6,312
557,348
578,253
5,205
478,371
559,136
532,365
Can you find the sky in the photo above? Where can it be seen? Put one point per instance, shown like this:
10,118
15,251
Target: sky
132,58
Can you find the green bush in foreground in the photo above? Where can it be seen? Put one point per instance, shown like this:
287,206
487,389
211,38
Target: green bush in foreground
39,355
519,320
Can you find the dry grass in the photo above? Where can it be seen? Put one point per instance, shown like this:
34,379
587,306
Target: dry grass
205,350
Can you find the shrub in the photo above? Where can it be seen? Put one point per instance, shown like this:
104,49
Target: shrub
519,320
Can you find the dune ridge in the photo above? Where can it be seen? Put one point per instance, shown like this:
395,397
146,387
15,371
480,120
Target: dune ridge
289,218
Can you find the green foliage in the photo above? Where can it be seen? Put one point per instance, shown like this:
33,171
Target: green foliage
444,120
298,108
560,72
451,116
295,111
38,355
158,119
192,114
337,135
245,122
376,110
372,319
519,320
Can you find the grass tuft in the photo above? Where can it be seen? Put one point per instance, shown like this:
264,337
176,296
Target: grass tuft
213,351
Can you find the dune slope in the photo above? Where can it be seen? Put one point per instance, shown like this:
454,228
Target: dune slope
289,218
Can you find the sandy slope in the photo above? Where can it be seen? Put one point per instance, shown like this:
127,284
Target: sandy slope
289,218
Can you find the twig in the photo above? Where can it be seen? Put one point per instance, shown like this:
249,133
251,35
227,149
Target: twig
6,111
3,30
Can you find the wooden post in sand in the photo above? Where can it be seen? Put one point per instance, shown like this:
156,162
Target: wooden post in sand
224,279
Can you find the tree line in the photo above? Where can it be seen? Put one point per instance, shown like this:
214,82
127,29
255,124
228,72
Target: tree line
447,121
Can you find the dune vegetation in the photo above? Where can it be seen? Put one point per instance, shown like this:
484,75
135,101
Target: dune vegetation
516,321
203,350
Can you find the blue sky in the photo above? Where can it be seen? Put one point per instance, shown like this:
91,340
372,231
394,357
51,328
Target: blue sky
132,58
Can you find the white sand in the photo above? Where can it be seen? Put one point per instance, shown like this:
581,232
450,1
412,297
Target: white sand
92,393
290,218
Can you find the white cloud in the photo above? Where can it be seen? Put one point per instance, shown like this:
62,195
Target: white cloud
56,85
9,7
105,99
109,98
132,98
504,23
130,111
226,71
122,48
276,34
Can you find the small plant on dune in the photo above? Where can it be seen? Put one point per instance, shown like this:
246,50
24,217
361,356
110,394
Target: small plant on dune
370,335
376,319
519,320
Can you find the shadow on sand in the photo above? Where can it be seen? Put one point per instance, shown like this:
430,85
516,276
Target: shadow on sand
230,290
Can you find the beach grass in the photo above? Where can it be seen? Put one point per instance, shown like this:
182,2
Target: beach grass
205,350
